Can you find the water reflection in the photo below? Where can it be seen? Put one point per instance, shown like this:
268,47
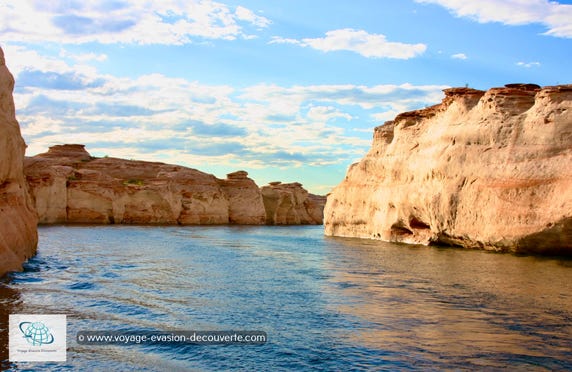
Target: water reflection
326,303
466,308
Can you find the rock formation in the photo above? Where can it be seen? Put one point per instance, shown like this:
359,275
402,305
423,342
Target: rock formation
482,169
291,204
18,235
245,202
68,185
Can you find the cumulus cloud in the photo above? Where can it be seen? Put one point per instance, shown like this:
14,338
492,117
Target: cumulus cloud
22,58
216,129
358,41
553,15
64,81
326,113
366,97
83,57
128,21
155,117
459,56
248,15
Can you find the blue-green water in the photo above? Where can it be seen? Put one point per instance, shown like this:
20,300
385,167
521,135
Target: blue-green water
325,303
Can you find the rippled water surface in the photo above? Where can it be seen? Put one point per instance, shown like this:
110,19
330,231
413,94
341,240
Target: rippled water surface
325,303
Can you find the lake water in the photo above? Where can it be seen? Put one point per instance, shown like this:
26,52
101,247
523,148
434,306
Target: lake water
325,303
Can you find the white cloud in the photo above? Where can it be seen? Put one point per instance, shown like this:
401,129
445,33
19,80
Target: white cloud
281,40
155,117
382,117
528,64
19,58
129,21
366,97
248,15
83,57
324,114
358,41
459,56
554,16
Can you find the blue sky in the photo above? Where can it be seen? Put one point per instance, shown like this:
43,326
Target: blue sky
287,90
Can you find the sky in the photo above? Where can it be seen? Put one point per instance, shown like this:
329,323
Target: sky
288,90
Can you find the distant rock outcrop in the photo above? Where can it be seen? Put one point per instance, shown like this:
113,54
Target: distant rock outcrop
482,169
291,204
18,235
245,202
68,185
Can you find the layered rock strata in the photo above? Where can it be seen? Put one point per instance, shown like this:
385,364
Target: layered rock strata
68,185
291,204
18,235
482,169
245,202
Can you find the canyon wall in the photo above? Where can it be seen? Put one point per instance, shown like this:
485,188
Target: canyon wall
290,204
68,185
488,170
18,235
246,206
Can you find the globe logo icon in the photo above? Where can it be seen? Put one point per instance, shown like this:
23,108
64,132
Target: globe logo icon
36,333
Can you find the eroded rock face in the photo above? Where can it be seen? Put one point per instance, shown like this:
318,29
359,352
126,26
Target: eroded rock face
245,200
486,170
70,186
18,235
291,204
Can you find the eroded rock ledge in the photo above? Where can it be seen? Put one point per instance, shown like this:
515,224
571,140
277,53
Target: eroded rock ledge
488,170
18,234
291,204
68,185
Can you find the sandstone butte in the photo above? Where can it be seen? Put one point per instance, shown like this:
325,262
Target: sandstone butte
488,170
18,234
68,185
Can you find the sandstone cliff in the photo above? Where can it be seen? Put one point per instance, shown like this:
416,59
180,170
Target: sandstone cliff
482,169
18,235
291,204
245,202
68,185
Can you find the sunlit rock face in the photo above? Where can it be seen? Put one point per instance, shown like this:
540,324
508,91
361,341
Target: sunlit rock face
18,235
482,169
245,200
68,185
290,203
